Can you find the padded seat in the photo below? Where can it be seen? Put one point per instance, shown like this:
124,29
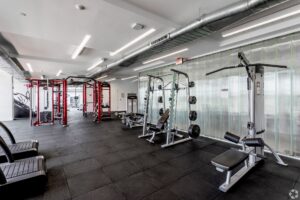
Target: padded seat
21,150
229,159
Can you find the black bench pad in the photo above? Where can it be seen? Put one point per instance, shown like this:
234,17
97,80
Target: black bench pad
229,159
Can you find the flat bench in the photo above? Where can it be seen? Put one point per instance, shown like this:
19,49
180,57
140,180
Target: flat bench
229,159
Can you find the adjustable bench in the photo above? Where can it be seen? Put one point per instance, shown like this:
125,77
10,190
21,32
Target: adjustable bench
160,125
19,150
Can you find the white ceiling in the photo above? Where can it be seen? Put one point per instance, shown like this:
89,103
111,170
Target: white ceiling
52,29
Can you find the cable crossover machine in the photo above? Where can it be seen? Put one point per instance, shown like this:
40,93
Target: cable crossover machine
252,151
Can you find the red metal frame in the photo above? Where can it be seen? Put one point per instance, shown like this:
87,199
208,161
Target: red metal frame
97,98
99,101
65,103
84,98
52,84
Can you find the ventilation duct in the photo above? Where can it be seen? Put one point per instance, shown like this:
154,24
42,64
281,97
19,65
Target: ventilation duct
220,14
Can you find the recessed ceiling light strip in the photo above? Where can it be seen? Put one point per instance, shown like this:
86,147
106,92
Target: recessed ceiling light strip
81,46
127,78
165,56
133,42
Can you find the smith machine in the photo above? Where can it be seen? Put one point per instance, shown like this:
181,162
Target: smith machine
48,102
168,122
252,151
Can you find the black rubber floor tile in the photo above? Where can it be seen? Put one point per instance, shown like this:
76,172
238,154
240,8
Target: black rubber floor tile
69,150
120,170
190,189
110,158
108,192
289,172
163,194
131,153
187,162
268,181
56,175
214,149
121,146
58,191
165,173
208,174
86,182
73,157
137,186
81,167
165,154
203,156
145,161
54,162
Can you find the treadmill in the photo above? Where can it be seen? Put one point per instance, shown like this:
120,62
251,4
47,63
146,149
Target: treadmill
19,150
18,176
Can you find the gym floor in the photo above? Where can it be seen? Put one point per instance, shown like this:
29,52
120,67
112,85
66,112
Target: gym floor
103,161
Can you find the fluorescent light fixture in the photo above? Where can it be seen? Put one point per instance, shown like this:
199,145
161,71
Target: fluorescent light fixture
29,67
131,77
132,42
101,77
165,56
59,72
112,79
149,65
255,24
42,77
81,46
96,64
140,78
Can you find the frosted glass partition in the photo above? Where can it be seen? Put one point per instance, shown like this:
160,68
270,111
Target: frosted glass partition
222,98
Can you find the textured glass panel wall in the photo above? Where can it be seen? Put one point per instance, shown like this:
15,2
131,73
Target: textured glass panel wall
222,99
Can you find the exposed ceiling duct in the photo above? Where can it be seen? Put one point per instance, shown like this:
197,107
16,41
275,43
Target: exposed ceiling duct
8,64
199,28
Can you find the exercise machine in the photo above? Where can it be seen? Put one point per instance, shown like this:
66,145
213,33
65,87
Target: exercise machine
132,103
48,102
149,103
131,118
91,97
19,150
172,135
160,126
252,146
26,174
105,101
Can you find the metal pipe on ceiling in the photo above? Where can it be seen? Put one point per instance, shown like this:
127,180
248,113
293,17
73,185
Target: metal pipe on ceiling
227,11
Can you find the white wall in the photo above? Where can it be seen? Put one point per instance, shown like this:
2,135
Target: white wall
119,91
6,100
